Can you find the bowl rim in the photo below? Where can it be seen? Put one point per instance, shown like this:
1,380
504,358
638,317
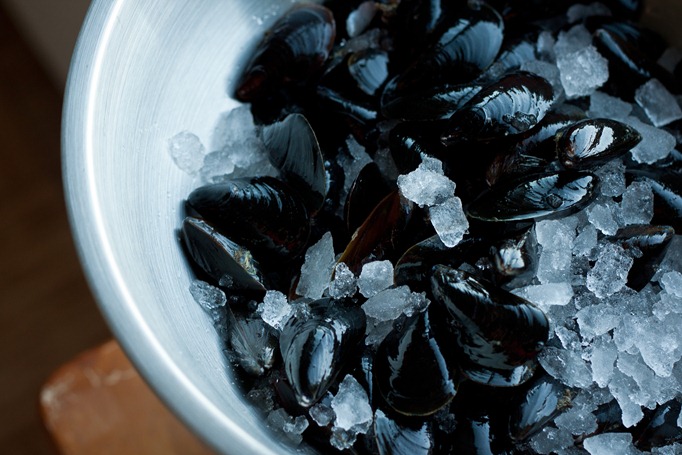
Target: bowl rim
95,251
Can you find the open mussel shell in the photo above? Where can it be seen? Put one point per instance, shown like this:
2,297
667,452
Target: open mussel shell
536,196
394,438
410,370
294,150
253,342
594,141
316,345
495,328
378,235
510,106
368,189
227,263
262,213
293,50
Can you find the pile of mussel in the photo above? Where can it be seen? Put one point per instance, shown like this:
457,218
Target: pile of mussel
408,79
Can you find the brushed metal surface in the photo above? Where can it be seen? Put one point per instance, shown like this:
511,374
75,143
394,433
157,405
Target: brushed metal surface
143,71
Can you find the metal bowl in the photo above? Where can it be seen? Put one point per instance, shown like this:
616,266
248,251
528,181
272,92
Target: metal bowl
142,72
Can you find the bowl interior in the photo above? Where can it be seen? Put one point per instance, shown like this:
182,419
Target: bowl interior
142,72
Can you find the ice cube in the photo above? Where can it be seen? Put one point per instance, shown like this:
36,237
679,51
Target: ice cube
317,268
573,40
656,143
545,295
602,216
610,272
607,106
556,238
345,282
637,206
659,104
566,366
353,413
275,309
582,71
375,277
426,185
610,444
187,151
208,296
672,283
449,221
291,428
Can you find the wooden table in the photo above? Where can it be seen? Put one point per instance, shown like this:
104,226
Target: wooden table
97,404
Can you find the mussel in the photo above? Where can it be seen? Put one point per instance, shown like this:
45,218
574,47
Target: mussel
292,51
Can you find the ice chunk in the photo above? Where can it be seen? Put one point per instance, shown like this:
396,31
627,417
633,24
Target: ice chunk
659,342
449,221
659,104
582,71
317,268
344,284
612,178
385,307
610,272
556,238
586,241
322,412
426,185
545,45
208,296
602,217
291,428
261,397
596,320
610,444
672,283
656,144
602,356
637,206
670,58
545,295
607,106
573,40
673,449
375,277
579,12
566,366
577,420
275,309
550,439
187,151
353,413
234,127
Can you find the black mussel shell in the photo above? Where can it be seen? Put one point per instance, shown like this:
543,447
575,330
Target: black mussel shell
495,377
262,213
294,150
228,264
511,106
253,343
594,141
293,50
439,102
496,329
316,345
542,400
647,244
513,54
368,189
394,438
661,428
369,68
410,370
536,196
363,112
414,267
379,234
465,46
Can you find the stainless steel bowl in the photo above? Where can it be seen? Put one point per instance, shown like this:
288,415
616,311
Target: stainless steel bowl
142,72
